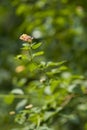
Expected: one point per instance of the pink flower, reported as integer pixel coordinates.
(26, 38)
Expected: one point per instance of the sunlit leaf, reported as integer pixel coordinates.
(17, 91)
(38, 54)
(50, 63)
(37, 45)
(9, 98)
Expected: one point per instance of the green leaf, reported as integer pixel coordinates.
(63, 68)
(21, 104)
(38, 54)
(48, 115)
(50, 63)
(17, 91)
(53, 71)
(35, 46)
(9, 98)
(33, 67)
(18, 57)
(21, 9)
(26, 46)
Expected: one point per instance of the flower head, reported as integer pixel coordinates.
(26, 38)
(19, 69)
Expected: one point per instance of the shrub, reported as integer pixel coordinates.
(49, 95)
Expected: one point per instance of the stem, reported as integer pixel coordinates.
(30, 52)
(38, 123)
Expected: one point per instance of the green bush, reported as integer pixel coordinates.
(48, 96)
(52, 81)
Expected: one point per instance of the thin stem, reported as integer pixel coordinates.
(38, 123)
(30, 52)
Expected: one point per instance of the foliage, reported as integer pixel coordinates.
(50, 79)
(48, 94)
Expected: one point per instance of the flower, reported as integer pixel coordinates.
(26, 38)
(28, 106)
(12, 112)
(19, 68)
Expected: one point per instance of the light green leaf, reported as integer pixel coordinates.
(38, 54)
(18, 57)
(50, 63)
(53, 71)
(26, 46)
(62, 68)
(33, 67)
(9, 98)
(17, 91)
(35, 46)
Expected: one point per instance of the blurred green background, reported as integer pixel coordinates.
(61, 25)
